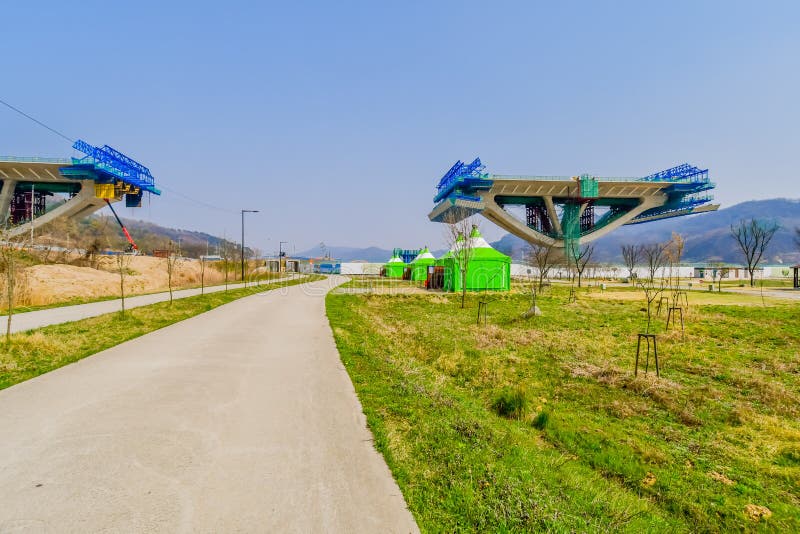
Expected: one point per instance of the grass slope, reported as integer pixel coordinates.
(596, 449)
(39, 351)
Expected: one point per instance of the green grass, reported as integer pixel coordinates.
(39, 351)
(597, 449)
(769, 283)
(374, 282)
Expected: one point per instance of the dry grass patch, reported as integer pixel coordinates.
(722, 405)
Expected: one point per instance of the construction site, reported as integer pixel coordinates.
(244, 287)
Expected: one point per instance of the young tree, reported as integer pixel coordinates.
(173, 260)
(458, 229)
(202, 274)
(631, 256)
(581, 258)
(544, 257)
(674, 253)
(753, 238)
(225, 254)
(653, 257)
(13, 276)
(122, 264)
(256, 253)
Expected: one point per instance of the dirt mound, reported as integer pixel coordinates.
(48, 284)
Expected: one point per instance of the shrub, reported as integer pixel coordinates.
(511, 403)
(540, 421)
(789, 456)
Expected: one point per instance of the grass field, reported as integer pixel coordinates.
(583, 445)
(769, 283)
(39, 351)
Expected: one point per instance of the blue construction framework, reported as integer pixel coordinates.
(407, 255)
(107, 165)
(688, 183)
(687, 189)
(462, 181)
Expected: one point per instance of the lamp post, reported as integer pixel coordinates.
(280, 252)
(243, 212)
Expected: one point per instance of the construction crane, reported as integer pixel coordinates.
(124, 230)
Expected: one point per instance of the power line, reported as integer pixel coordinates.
(198, 202)
(40, 123)
(174, 192)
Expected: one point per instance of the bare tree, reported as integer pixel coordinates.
(256, 254)
(581, 258)
(654, 257)
(674, 253)
(631, 256)
(459, 227)
(173, 260)
(202, 274)
(13, 276)
(122, 262)
(545, 257)
(753, 238)
(225, 254)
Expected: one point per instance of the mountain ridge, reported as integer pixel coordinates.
(707, 236)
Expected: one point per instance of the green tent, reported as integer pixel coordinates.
(394, 268)
(487, 268)
(448, 256)
(419, 267)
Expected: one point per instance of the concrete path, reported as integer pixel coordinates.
(778, 293)
(238, 420)
(65, 314)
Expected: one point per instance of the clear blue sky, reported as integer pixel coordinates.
(336, 119)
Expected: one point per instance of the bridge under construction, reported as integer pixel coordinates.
(563, 210)
(102, 176)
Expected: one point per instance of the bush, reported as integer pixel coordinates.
(511, 403)
(789, 456)
(540, 421)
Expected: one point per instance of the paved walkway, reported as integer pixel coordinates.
(781, 293)
(778, 293)
(65, 314)
(241, 419)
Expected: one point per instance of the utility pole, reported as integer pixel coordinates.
(243, 212)
(280, 252)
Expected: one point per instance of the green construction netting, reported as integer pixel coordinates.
(589, 187)
(571, 226)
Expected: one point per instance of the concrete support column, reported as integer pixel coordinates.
(6, 194)
(82, 204)
(551, 212)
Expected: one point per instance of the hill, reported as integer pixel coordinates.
(369, 254)
(103, 232)
(707, 235)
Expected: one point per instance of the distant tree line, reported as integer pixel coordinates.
(98, 233)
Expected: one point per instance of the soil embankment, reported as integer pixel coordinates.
(49, 284)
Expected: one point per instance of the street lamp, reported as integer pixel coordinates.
(280, 252)
(243, 212)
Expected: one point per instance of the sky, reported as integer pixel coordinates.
(336, 119)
